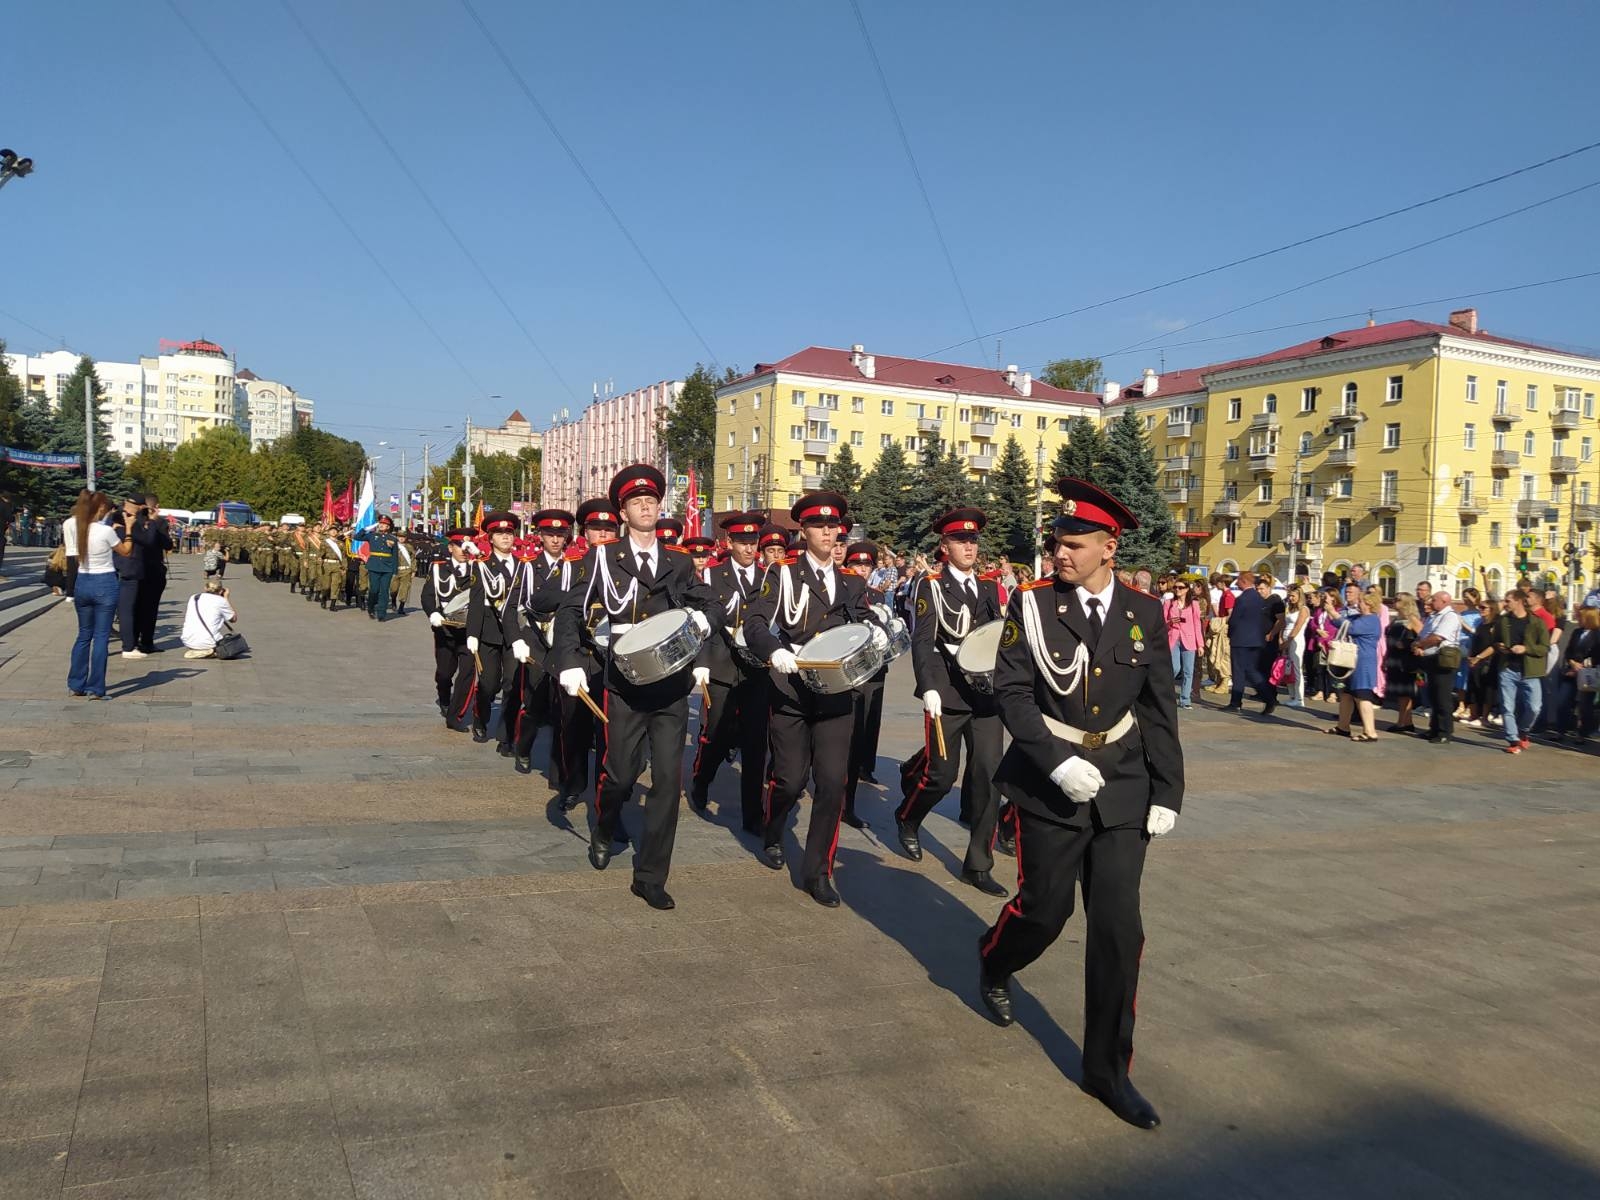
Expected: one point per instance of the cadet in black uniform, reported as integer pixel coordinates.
(669, 530)
(635, 578)
(446, 582)
(577, 732)
(809, 733)
(949, 604)
(1084, 685)
(538, 594)
(860, 559)
(773, 544)
(738, 717)
(493, 631)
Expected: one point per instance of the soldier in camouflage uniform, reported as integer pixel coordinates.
(406, 556)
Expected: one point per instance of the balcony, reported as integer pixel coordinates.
(1227, 509)
(1265, 420)
(817, 448)
(1563, 464)
(1264, 464)
(1310, 506)
(1347, 417)
(929, 424)
(1585, 515)
(1564, 418)
(1470, 508)
(815, 412)
(1532, 509)
(1505, 414)
(983, 429)
(1179, 429)
(1176, 495)
(810, 483)
(1192, 529)
(1386, 506)
(1179, 462)
(1504, 460)
(980, 462)
(1340, 457)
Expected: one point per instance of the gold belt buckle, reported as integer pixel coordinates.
(1094, 741)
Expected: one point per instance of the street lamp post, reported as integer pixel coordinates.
(13, 167)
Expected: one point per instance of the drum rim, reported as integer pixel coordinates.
(998, 627)
(681, 614)
(851, 626)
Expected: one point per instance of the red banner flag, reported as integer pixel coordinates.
(343, 506)
(327, 500)
(691, 511)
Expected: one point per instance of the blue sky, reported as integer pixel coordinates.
(1072, 152)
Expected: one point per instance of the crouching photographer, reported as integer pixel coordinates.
(207, 625)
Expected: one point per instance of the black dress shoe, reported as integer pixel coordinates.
(524, 765)
(853, 821)
(1268, 709)
(698, 799)
(996, 996)
(654, 895)
(479, 735)
(1439, 739)
(1005, 842)
(984, 882)
(909, 841)
(599, 851)
(869, 777)
(505, 750)
(1127, 1103)
(773, 857)
(569, 801)
(750, 826)
(823, 892)
(1232, 708)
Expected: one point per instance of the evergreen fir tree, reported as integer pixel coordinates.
(882, 496)
(67, 437)
(1083, 455)
(1131, 475)
(940, 485)
(11, 429)
(843, 475)
(1010, 507)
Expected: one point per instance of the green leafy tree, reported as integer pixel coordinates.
(843, 475)
(281, 483)
(327, 457)
(12, 479)
(689, 428)
(148, 469)
(941, 483)
(881, 499)
(1011, 507)
(497, 479)
(1075, 374)
(213, 467)
(1130, 474)
(67, 437)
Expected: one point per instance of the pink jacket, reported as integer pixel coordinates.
(1183, 625)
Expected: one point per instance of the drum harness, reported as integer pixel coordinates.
(449, 587)
(496, 587)
(545, 628)
(1063, 679)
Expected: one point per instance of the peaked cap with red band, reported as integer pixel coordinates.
(669, 529)
(742, 527)
(861, 552)
(820, 506)
(501, 522)
(698, 545)
(1086, 509)
(597, 512)
(457, 536)
(774, 535)
(553, 520)
(641, 479)
(960, 520)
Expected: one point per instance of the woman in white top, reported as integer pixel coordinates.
(95, 593)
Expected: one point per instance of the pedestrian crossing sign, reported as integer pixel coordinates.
(447, 493)
(1527, 542)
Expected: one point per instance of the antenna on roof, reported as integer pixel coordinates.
(999, 355)
(1163, 362)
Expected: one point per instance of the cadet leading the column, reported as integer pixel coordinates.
(1084, 685)
(493, 631)
(446, 592)
(537, 596)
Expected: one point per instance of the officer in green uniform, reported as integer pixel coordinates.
(383, 554)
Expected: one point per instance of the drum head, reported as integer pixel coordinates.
(980, 648)
(651, 631)
(835, 643)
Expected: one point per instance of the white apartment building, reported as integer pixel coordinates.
(514, 436)
(266, 409)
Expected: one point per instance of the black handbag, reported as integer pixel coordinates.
(231, 644)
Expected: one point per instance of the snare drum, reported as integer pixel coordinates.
(851, 655)
(899, 639)
(657, 647)
(977, 654)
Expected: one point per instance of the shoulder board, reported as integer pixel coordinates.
(989, 575)
(934, 575)
(790, 560)
(575, 553)
(1038, 583)
(674, 549)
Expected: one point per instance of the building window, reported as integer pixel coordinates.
(1016, 420)
(756, 403)
(1270, 404)
(797, 432)
(857, 438)
(1500, 394)
(1345, 486)
(1529, 488)
(755, 434)
(1264, 490)
(829, 400)
(1464, 534)
(1494, 535)
(1585, 448)
(1061, 424)
(1397, 387)
(1230, 532)
(798, 399)
(858, 404)
(885, 440)
(1149, 422)
(1588, 404)
(1390, 488)
(730, 475)
(1040, 422)
(918, 410)
(730, 439)
(1341, 531)
(1527, 443)
(1263, 532)
(911, 443)
(1532, 401)
(1497, 488)
(886, 407)
(1472, 389)
(1305, 444)
(796, 467)
(733, 406)
(1232, 454)
(1234, 406)
(1468, 482)
(1386, 530)
(1391, 436)
(1308, 398)
(1469, 437)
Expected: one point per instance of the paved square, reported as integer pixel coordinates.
(268, 930)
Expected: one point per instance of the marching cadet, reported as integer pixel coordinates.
(669, 530)
(949, 604)
(544, 579)
(699, 549)
(808, 732)
(636, 578)
(355, 593)
(311, 562)
(446, 585)
(1095, 770)
(577, 732)
(738, 711)
(860, 559)
(774, 544)
(330, 566)
(405, 572)
(492, 631)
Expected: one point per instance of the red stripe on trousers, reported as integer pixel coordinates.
(1014, 908)
(600, 767)
(927, 761)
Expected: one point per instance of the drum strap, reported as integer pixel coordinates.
(1060, 680)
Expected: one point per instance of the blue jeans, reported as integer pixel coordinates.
(1183, 672)
(1514, 687)
(95, 598)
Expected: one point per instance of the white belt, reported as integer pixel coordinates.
(1086, 739)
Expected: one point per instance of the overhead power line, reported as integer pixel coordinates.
(405, 169)
(311, 181)
(916, 173)
(549, 122)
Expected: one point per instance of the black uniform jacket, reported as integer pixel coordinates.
(766, 628)
(491, 616)
(535, 599)
(733, 599)
(1129, 669)
(934, 665)
(443, 581)
(675, 586)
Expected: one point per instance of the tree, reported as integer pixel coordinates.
(843, 475)
(1075, 374)
(1131, 476)
(1080, 457)
(1011, 507)
(148, 469)
(213, 467)
(497, 479)
(12, 399)
(689, 428)
(940, 484)
(327, 457)
(279, 482)
(882, 496)
(67, 436)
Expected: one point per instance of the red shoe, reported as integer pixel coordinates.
(1524, 743)
(1513, 747)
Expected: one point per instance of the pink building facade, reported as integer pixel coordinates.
(581, 456)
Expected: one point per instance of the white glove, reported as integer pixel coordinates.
(880, 639)
(520, 651)
(472, 645)
(1079, 778)
(932, 703)
(702, 676)
(1161, 820)
(573, 680)
(436, 619)
(700, 621)
(784, 662)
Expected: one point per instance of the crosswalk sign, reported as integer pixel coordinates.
(1527, 542)
(447, 493)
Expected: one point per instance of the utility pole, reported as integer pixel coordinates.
(466, 472)
(427, 492)
(744, 483)
(1294, 517)
(1038, 511)
(88, 432)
